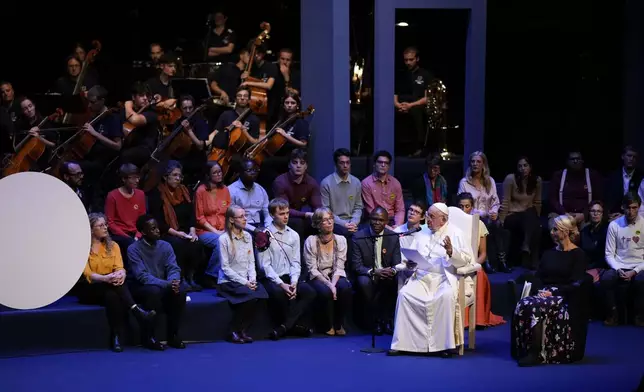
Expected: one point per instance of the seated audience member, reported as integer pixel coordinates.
(72, 174)
(123, 206)
(415, 214)
(171, 205)
(212, 199)
(521, 209)
(325, 255)
(380, 189)
(432, 186)
(559, 270)
(374, 262)
(571, 189)
(252, 197)
(342, 193)
(625, 256)
(478, 183)
(238, 276)
(592, 239)
(484, 315)
(155, 281)
(427, 307)
(627, 179)
(290, 298)
(105, 275)
(300, 190)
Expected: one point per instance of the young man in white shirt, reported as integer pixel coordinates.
(289, 299)
(625, 256)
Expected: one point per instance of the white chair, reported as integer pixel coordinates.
(469, 225)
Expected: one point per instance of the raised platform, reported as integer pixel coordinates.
(67, 325)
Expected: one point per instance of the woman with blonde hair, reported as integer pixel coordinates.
(104, 282)
(325, 255)
(481, 186)
(541, 325)
(238, 277)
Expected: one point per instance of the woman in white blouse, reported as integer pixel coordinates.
(482, 187)
(325, 255)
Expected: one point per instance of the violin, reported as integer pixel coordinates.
(29, 150)
(236, 143)
(178, 143)
(89, 58)
(78, 146)
(273, 142)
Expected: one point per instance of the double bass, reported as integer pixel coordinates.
(70, 118)
(258, 96)
(29, 150)
(273, 142)
(178, 143)
(236, 143)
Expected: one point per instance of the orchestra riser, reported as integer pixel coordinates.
(67, 325)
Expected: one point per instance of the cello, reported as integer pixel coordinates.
(258, 96)
(236, 143)
(178, 143)
(89, 58)
(273, 142)
(77, 146)
(29, 150)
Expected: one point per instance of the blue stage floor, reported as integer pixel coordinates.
(614, 362)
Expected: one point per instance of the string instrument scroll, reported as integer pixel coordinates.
(82, 118)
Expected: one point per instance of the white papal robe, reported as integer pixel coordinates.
(427, 311)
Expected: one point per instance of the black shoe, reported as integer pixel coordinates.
(378, 329)
(446, 354)
(301, 331)
(176, 342)
(235, 338)
(153, 344)
(115, 344)
(195, 286)
(277, 333)
(246, 338)
(503, 267)
(393, 353)
(488, 268)
(143, 316)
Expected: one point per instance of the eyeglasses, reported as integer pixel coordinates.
(415, 211)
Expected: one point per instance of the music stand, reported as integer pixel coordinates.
(198, 88)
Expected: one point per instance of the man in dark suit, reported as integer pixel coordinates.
(373, 261)
(627, 179)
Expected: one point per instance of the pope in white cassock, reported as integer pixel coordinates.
(427, 311)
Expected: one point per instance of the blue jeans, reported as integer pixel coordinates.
(211, 240)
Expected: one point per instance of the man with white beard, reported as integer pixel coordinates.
(427, 311)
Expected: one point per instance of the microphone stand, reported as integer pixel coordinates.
(373, 349)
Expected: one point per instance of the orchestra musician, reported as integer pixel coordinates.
(65, 84)
(29, 122)
(9, 101)
(219, 138)
(267, 73)
(227, 78)
(289, 79)
(197, 129)
(298, 133)
(160, 86)
(221, 42)
(144, 137)
(81, 54)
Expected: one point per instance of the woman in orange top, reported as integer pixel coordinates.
(212, 199)
(484, 315)
(105, 275)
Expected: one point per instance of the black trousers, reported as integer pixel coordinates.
(189, 254)
(334, 311)
(614, 288)
(243, 315)
(498, 241)
(410, 129)
(162, 300)
(380, 296)
(526, 227)
(117, 301)
(290, 312)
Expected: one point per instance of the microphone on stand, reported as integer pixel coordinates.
(410, 232)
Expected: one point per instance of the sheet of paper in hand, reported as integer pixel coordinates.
(413, 256)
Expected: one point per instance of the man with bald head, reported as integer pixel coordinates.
(373, 261)
(427, 312)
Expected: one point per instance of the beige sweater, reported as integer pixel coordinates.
(513, 201)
